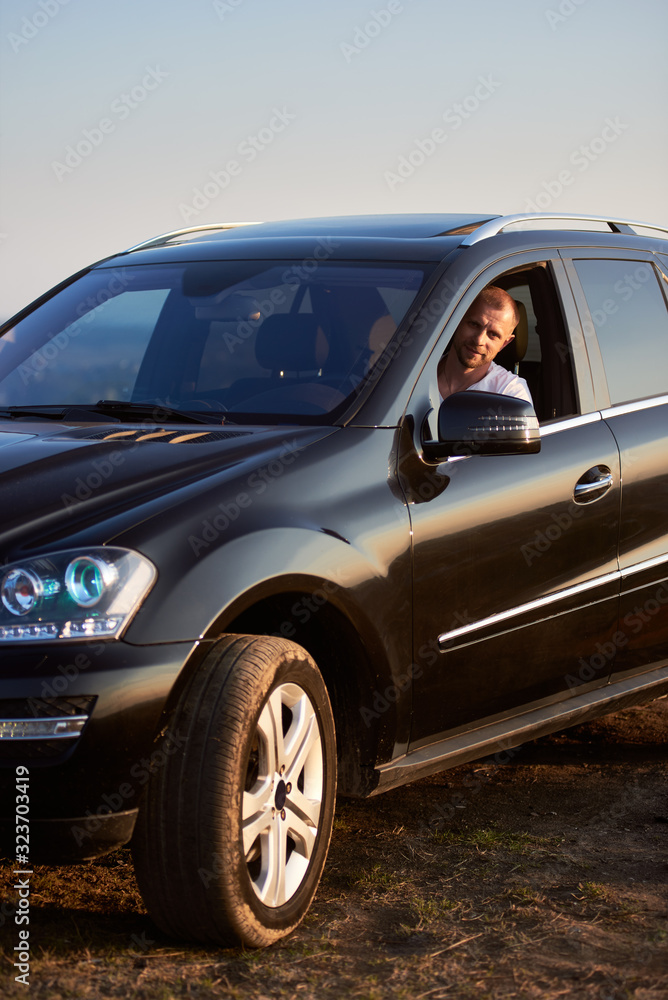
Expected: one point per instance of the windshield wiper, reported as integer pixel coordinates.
(112, 409)
(47, 412)
(158, 412)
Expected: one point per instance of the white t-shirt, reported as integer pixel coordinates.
(498, 379)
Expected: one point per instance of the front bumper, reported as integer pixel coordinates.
(79, 730)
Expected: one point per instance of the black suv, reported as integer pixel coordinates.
(246, 546)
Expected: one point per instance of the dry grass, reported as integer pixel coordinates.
(548, 881)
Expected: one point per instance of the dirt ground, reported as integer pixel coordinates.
(541, 877)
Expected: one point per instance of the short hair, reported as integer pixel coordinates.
(498, 298)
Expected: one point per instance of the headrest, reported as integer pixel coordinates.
(380, 335)
(294, 343)
(521, 341)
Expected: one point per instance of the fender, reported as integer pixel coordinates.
(222, 585)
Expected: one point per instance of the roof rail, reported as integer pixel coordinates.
(496, 226)
(158, 241)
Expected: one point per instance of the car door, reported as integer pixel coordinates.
(622, 299)
(514, 556)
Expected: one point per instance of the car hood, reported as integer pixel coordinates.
(56, 481)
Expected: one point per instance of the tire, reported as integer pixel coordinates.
(234, 829)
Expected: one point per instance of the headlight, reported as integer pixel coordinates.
(73, 595)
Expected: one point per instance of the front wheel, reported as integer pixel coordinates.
(234, 830)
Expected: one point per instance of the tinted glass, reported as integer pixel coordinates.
(243, 336)
(628, 309)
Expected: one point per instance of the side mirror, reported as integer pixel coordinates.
(484, 423)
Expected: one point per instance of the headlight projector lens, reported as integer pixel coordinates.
(87, 578)
(21, 591)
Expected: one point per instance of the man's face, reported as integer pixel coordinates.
(483, 332)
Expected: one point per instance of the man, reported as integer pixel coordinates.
(484, 331)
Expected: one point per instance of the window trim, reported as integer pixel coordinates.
(633, 406)
(568, 423)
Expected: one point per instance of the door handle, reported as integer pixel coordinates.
(594, 484)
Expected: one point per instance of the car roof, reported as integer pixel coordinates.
(416, 237)
(426, 237)
(409, 227)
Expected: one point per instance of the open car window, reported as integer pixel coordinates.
(540, 352)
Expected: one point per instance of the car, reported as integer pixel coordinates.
(251, 557)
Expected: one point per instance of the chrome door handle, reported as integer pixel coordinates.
(587, 489)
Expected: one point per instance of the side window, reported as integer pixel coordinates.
(628, 310)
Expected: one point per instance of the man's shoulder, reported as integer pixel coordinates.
(499, 375)
(499, 379)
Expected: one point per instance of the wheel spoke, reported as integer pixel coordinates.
(270, 885)
(302, 812)
(270, 731)
(302, 736)
(256, 812)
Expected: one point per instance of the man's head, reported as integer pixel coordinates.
(486, 328)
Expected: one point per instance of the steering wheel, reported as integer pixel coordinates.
(316, 397)
(205, 404)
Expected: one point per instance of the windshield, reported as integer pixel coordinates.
(246, 337)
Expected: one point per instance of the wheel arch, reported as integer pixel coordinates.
(351, 658)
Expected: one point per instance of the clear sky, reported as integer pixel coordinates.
(124, 120)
